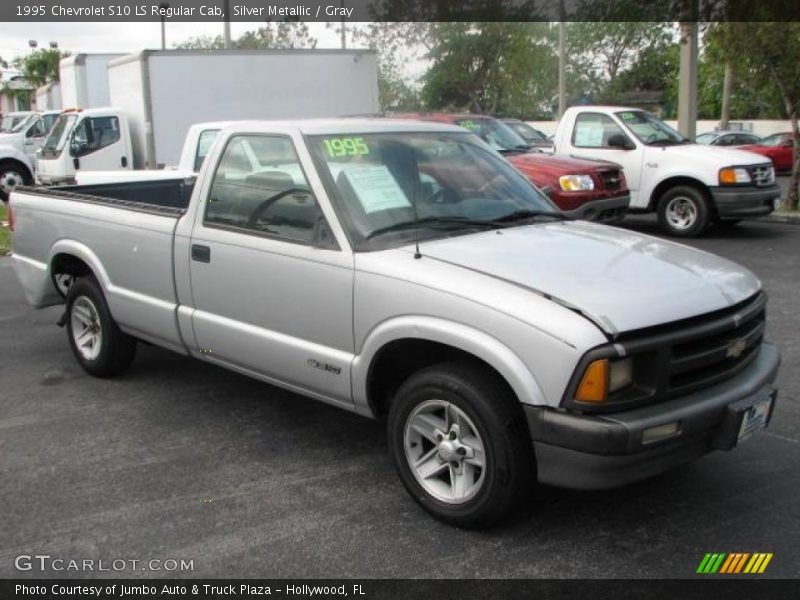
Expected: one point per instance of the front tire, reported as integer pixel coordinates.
(683, 211)
(460, 444)
(99, 346)
(11, 176)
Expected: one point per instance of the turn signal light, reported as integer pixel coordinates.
(594, 383)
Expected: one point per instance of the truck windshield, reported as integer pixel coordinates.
(391, 187)
(650, 130)
(59, 135)
(495, 133)
(21, 124)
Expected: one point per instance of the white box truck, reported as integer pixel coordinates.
(84, 80)
(48, 96)
(157, 95)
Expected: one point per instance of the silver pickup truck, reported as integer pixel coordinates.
(405, 271)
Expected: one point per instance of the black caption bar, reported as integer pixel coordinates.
(385, 589)
(399, 10)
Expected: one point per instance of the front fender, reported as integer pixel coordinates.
(475, 342)
(8, 152)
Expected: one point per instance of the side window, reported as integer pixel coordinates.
(36, 130)
(593, 130)
(259, 186)
(727, 140)
(204, 143)
(93, 134)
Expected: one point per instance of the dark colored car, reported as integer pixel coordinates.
(727, 138)
(586, 189)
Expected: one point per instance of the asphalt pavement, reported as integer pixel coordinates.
(185, 461)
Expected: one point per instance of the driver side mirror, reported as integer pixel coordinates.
(620, 142)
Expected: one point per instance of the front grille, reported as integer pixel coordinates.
(763, 174)
(612, 179)
(681, 357)
(710, 359)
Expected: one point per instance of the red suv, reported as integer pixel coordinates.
(586, 189)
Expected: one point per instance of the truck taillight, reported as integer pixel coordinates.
(10, 215)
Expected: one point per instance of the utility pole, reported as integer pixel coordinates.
(343, 30)
(562, 61)
(727, 87)
(687, 80)
(227, 25)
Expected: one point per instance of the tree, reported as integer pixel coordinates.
(396, 44)
(41, 66)
(492, 68)
(600, 51)
(282, 35)
(769, 51)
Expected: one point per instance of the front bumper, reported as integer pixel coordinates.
(604, 451)
(747, 201)
(602, 210)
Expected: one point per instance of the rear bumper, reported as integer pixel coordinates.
(599, 452)
(603, 210)
(742, 202)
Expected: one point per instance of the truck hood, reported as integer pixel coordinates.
(557, 165)
(715, 156)
(15, 140)
(620, 280)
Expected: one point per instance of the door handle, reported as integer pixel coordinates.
(201, 253)
(124, 161)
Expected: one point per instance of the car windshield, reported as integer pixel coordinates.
(528, 133)
(706, 138)
(775, 139)
(21, 124)
(57, 139)
(650, 130)
(495, 133)
(391, 187)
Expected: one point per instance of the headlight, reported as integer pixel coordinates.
(576, 183)
(602, 377)
(732, 175)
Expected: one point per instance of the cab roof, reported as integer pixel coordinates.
(348, 126)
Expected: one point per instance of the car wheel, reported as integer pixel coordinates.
(97, 342)
(11, 176)
(683, 211)
(460, 444)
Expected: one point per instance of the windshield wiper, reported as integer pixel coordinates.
(432, 222)
(529, 215)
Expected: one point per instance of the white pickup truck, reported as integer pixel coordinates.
(688, 185)
(18, 148)
(404, 270)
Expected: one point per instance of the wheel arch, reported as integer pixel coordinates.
(74, 258)
(675, 181)
(399, 347)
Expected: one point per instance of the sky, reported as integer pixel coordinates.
(125, 37)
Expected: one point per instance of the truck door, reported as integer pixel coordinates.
(99, 144)
(34, 138)
(596, 135)
(272, 294)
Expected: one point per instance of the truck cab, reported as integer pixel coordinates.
(96, 139)
(18, 147)
(688, 185)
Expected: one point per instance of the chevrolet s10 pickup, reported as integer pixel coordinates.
(405, 271)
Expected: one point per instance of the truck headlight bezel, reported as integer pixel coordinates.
(734, 176)
(576, 183)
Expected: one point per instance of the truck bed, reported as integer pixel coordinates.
(162, 196)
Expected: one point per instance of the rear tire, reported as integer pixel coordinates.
(99, 346)
(460, 444)
(683, 211)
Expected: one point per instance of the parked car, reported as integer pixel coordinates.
(404, 270)
(584, 189)
(18, 149)
(533, 137)
(778, 148)
(727, 138)
(688, 185)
